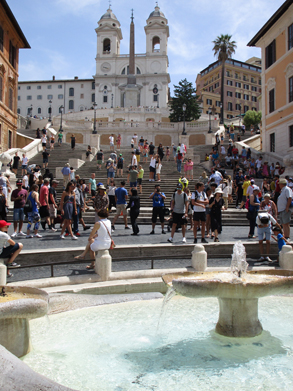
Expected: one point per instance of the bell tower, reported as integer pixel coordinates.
(157, 33)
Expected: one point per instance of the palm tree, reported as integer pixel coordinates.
(223, 48)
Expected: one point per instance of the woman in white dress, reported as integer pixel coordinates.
(158, 169)
(99, 238)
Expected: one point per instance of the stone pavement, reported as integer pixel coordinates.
(121, 237)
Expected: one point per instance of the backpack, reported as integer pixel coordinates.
(28, 207)
(246, 206)
(86, 190)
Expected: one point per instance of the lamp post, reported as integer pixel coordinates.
(112, 98)
(31, 110)
(61, 108)
(221, 114)
(158, 101)
(183, 109)
(95, 108)
(210, 122)
(50, 111)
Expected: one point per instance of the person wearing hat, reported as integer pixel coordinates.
(10, 251)
(179, 207)
(268, 205)
(216, 204)
(66, 174)
(18, 196)
(253, 208)
(101, 200)
(283, 205)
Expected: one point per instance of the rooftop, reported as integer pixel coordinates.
(230, 61)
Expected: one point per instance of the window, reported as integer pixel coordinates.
(218, 103)
(259, 82)
(156, 45)
(291, 89)
(71, 105)
(229, 93)
(81, 86)
(18, 87)
(60, 96)
(29, 97)
(39, 87)
(291, 135)
(93, 85)
(246, 86)
(228, 74)
(1, 38)
(252, 80)
(290, 37)
(238, 106)
(245, 97)
(39, 110)
(237, 84)
(12, 54)
(10, 140)
(106, 46)
(71, 91)
(236, 76)
(60, 86)
(253, 109)
(217, 85)
(93, 97)
(230, 106)
(211, 89)
(28, 87)
(253, 88)
(229, 82)
(246, 108)
(1, 88)
(155, 98)
(272, 143)
(49, 96)
(18, 110)
(18, 98)
(271, 100)
(39, 97)
(254, 99)
(238, 95)
(105, 98)
(245, 78)
(209, 102)
(49, 87)
(10, 103)
(81, 96)
(270, 54)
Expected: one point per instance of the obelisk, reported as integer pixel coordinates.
(132, 90)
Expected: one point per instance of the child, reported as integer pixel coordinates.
(11, 251)
(278, 232)
(72, 173)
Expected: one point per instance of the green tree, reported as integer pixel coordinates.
(223, 48)
(251, 118)
(184, 93)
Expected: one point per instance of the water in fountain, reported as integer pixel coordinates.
(169, 294)
(238, 263)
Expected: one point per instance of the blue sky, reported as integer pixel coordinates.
(62, 34)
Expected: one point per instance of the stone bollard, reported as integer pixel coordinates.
(199, 258)
(103, 265)
(3, 272)
(286, 258)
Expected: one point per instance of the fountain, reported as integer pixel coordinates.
(237, 292)
(17, 306)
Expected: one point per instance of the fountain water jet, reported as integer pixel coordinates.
(237, 293)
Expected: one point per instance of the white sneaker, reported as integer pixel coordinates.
(62, 237)
(29, 236)
(14, 235)
(37, 236)
(183, 240)
(53, 229)
(170, 240)
(74, 237)
(21, 234)
(261, 259)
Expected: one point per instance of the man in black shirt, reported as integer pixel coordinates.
(100, 159)
(45, 158)
(151, 148)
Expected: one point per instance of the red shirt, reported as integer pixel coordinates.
(43, 192)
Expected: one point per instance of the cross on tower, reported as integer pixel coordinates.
(132, 17)
(110, 4)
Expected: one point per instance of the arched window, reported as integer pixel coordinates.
(93, 85)
(71, 105)
(156, 44)
(71, 91)
(106, 46)
(39, 110)
(138, 72)
(93, 97)
(18, 111)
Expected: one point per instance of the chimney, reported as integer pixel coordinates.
(53, 78)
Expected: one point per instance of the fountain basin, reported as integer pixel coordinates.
(17, 306)
(238, 297)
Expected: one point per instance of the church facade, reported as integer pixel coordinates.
(107, 87)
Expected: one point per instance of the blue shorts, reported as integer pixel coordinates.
(24, 166)
(133, 184)
(18, 214)
(8, 251)
(110, 174)
(262, 231)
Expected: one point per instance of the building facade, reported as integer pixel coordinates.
(106, 88)
(242, 87)
(275, 39)
(11, 40)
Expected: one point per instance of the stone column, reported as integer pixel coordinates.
(3, 272)
(199, 258)
(103, 265)
(286, 258)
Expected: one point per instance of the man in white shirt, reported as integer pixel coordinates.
(217, 176)
(133, 159)
(111, 139)
(10, 251)
(152, 169)
(283, 204)
(199, 200)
